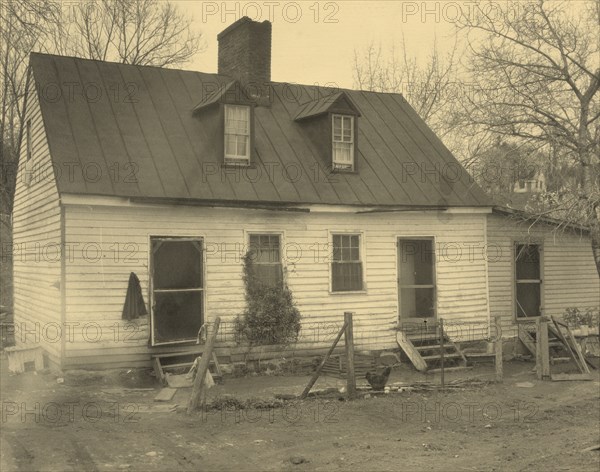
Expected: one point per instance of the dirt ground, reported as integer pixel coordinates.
(106, 426)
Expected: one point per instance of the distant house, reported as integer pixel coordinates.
(172, 175)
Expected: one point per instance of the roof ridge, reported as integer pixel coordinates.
(273, 82)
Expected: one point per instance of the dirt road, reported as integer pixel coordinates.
(500, 427)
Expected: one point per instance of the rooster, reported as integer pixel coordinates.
(378, 381)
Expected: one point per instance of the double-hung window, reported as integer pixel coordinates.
(343, 142)
(265, 254)
(346, 264)
(528, 280)
(237, 134)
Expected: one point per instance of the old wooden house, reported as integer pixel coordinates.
(172, 174)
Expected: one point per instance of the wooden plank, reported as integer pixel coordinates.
(160, 375)
(582, 359)
(558, 333)
(198, 386)
(315, 376)
(526, 339)
(165, 395)
(409, 349)
(349, 341)
(569, 377)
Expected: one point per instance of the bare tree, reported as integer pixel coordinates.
(536, 66)
(144, 32)
(429, 87)
(24, 26)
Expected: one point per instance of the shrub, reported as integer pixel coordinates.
(271, 316)
(576, 317)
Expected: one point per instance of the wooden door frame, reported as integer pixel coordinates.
(432, 238)
(200, 239)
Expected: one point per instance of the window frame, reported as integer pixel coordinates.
(400, 238)
(337, 166)
(150, 264)
(514, 281)
(361, 255)
(236, 160)
(280, 234)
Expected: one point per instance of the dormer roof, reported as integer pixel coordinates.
(338, 102)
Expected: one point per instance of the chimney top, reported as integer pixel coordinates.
(245, 55)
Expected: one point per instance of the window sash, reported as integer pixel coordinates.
(266, 258)
(346, 264)
(237, 132)
(343, 141)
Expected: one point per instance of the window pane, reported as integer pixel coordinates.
(269, 274)
(242, 142)
(346, 247)
(417, 302)
(266, 258)
(528, 262)
(177, 264)
(528, 299)
(346, 276)
(230, 145)
(342, 153)
(337, 128)
(237, 120)
(177, 315)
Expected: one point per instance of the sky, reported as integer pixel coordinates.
(314, 42)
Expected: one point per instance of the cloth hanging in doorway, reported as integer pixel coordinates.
(134, 306)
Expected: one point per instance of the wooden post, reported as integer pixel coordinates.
(442, 349)
(538, 350)
(315, 376)
(545, 348)
(198, 387)
(349, 338)
(542, 352)
(498, 349)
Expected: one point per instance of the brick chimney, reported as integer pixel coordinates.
(245, 55)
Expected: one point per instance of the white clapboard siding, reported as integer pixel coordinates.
(96, 279)
(37, 243)
(569, 276)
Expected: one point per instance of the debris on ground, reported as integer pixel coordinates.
(524, 384)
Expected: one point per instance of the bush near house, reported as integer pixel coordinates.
(271, 316)
(575, 317)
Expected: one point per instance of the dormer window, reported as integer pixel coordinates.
(237, 134)
(343, 142)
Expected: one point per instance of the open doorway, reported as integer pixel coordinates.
(177, 289)
(416, 283)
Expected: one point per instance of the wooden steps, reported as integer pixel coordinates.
(182, 359)
(555, 337)
(423, 346)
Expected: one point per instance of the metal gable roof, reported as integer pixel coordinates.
(131, 131)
